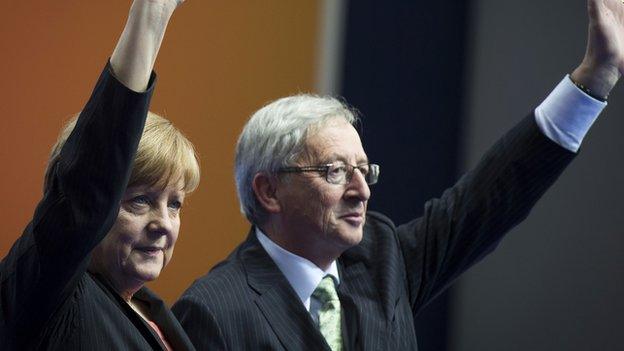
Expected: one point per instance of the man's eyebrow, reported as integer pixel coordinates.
(337, 157)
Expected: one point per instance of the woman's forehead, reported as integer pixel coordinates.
(163, 184)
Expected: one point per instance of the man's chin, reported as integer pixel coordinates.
(350, 238)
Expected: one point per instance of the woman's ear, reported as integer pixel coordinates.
(265, 188)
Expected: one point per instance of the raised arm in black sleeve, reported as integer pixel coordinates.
(78, 209)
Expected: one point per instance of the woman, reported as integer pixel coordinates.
(109, 217)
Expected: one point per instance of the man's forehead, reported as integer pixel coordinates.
(329, 157)
(335, 141)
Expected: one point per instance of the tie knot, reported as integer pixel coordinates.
(326, 290)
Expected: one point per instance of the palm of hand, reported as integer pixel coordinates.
(168, 5)
(607, 32)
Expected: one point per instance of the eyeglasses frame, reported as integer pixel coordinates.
(373, 169)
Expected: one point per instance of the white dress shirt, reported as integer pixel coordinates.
(564, 116)
(303, 275)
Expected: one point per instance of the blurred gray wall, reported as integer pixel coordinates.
(557, 281)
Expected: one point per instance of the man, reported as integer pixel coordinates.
(317, 272)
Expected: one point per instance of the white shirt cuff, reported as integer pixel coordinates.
(566, 114)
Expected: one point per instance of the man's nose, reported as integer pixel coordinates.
(358, 187)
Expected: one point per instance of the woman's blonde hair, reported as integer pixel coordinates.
(164, 155)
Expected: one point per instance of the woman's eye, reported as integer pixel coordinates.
(140, 200)
(176, 205)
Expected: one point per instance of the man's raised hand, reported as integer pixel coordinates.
(603, 63)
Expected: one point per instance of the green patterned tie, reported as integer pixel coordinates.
(329, 314)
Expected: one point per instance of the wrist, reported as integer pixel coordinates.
(596, 80)
(155, 14)
(133, 59)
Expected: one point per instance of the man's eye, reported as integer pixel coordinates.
(364, 169)
(338, 169)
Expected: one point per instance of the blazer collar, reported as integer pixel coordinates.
(166, 321)
(277, 301)
(368, 301)
(303, 275)
(144, 329)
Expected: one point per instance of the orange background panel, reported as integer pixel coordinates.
(220, 61)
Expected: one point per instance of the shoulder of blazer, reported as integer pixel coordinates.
(218, 279)
(379, 233)
(378, 221)
(228, 275)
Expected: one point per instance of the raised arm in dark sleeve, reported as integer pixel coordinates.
(85, 186)
(469, 219)
(77, 210)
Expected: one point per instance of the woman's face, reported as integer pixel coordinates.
(140, 243)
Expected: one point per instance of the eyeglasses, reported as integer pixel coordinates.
(339, 172)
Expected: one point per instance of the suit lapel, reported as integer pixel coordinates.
(350, 329)
(365, 317)
(144, 329)
(277, 300)
(166, 321)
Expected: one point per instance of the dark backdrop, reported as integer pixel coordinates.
(403, 69)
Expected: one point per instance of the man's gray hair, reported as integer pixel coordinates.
(274, 137)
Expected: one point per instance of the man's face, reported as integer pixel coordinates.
(319, 216)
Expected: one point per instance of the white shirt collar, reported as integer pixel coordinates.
(303, 275)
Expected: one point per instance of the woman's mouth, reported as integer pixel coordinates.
(151, 251)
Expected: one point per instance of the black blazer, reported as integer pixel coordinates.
(246, 303)
(48, 300)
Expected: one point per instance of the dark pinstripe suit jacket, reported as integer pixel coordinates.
(48, 300)
(245, 303)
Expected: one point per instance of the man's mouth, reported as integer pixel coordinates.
(353, 218)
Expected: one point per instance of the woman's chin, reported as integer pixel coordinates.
(145, 267)
(151, 275)
(146, 272)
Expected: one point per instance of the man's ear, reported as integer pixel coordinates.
(265, 188)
